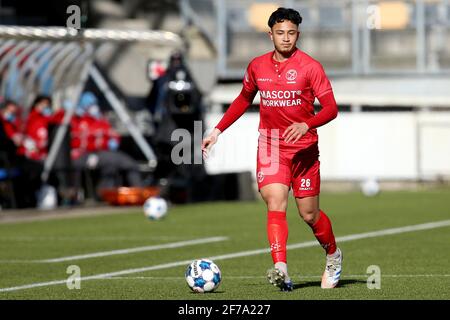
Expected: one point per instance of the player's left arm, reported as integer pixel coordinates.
(328, 112)
(323, 92)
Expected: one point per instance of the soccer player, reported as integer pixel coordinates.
(288, 80)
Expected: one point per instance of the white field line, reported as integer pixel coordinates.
(87, 238)
(13, 261)
(293, 277)
(134, 250)
(121, 251)
(425, 226)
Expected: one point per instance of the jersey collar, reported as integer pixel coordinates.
(295, 53)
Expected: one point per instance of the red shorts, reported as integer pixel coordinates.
(291, 166)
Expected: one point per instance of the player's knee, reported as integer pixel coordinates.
(275, 203)
(310, 216)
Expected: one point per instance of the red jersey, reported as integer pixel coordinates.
(287, 93)
(78, 137)
(37, 130)
(12, 130)
(12, 127)
(91, 135)
(287, 90)
(102, 132)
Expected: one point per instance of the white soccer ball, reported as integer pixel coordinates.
(47, 198)
(155, 208)
(370, 187)
(203, 275)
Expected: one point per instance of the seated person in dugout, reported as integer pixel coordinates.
(18, 148)
(95, 145)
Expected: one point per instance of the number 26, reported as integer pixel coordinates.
(305, 183)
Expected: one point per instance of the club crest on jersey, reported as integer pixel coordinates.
(291, 75)
(260, 176)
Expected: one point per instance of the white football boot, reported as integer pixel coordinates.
(332, 272)
(277, 278)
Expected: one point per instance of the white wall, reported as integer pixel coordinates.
(384, 145)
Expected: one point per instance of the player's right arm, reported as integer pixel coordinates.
(209, 141)
(234, 112)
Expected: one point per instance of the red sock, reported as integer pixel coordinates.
(277, 232)
(324, 233)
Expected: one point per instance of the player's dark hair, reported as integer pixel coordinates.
(282, 14)
(40, 98)
(7, 102)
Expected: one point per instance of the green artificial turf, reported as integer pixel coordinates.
(413, 265)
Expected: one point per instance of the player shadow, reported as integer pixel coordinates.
(210, 293)
(342, 283)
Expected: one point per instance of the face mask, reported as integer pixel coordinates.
(113, 144)
(94, 111)
(79, 111)
(47, 111)
(67, 104)
(10, 117)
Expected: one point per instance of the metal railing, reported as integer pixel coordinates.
(57, 62)
(350, 37)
